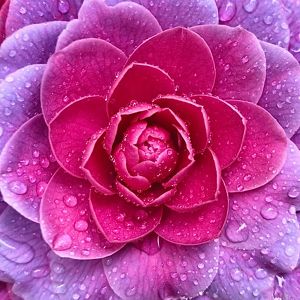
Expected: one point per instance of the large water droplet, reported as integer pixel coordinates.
(40, 272)
(236, 274)
(289, 250)
(250, 5)
(227, 11)
(268, 20)
(236, 232)
(293, 192)
(63, 6)
(261, 273)
(17, 187)
(81, 225)
(70, 200)
(62, 242)
(269, 211)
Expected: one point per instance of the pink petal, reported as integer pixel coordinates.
(33, 44)
(26, 166)
(296, 138)
(263, 153)
(4, 6)
(182, 13)
(125, 25)
(66, 222)
(227, 128)
(71, 129)
(193, 115)
(282, 88)
(120, 221)
(266, 19)
(200, 186)
(165, 270)
(22, 13)
(183, 55)
(97, 165)
(68, 78)
(240, 69)
(139, 82)
(198, 227)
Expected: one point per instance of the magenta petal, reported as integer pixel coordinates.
(240, 277)
(193, 115)
(66, 222)
(240, 69)
(68, 78)
(22, 13)
(197, 227)
(281, 92)
(26, 166)
(19, 99)
(263, 153)
(183, 13)
(266, 19)
(190, 63)
(33, 44)
(120, 221)
(200, 186)
(125, 25)
(165, 270)
(4, 6)
(139, 82)
(71, 129)
(227, 128)
(296, 138)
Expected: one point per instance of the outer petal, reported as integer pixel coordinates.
(121, 221)
(22, 13)
(166, 271)
(263, 153)
(281, 92)
(138, 82)
(71, 129)
(240, 277)
(19, 99)
(193, 228)
(227, 128)
(266, 19)
(3, 16)
(65, 220)
(189, 63)
(296, 138)
(200, 186)
(290, 285)
(31, 45)
(126, 25)
(181, 13)
(68, 78)
(26, 166)
(240, 68)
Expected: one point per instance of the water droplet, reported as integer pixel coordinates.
(293, 192)
(70, 200)
(269, 212)
(63, 6)
(227, 11)
(23, 10)
(131, 291)
(183, 277)
(268, 20)
(245, 59)
(18, 187)
(40, 272)
(236, 274)
(250, 5)
(62, 242)
(25, 37)
(289, 250)
(81, 225)
(261, 273)
(12, 53)
(40, 188)
(236, 232)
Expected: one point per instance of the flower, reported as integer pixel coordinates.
(142, 140)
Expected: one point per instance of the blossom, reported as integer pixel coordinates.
(149, 149)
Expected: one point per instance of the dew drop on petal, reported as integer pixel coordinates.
(250, 5)
(227, 11)
(62, 242)
(17, 187)
(63, 6)
(81, 225)
(236, 274)
(236, 232)
(293, 192)
(70, 200)
(269, 212)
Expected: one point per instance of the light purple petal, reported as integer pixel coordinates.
(155, 269)
(290, 285)
(30, 45)
(26, 166)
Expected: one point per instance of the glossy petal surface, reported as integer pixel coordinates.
(31, 45)
(72, 128)
(190, 63)
(65, 220)
(26, 166)
(195, 227)
(165, 270)
(68, 78)
(263, 153)
(240, 68)
(125, 25)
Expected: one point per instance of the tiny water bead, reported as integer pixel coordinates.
(63, 6)
(70, 200)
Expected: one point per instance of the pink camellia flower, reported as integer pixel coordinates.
(149, 149)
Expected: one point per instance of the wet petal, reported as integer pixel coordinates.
(65, 220)
(290, 285)
(179, 13)
(139, 82)
(71, 129)
(267, 20)
(171, 270)
(227, 128)
(68, 78)
(200, 186)
(296, 138)
(193, 228)
(121, 221)
(26, 166)
(3, 16)
(240, 69)
(190, 63)
(281, 92)
(125, 25)
(263, 153)
(19, 99)
(33, 44)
